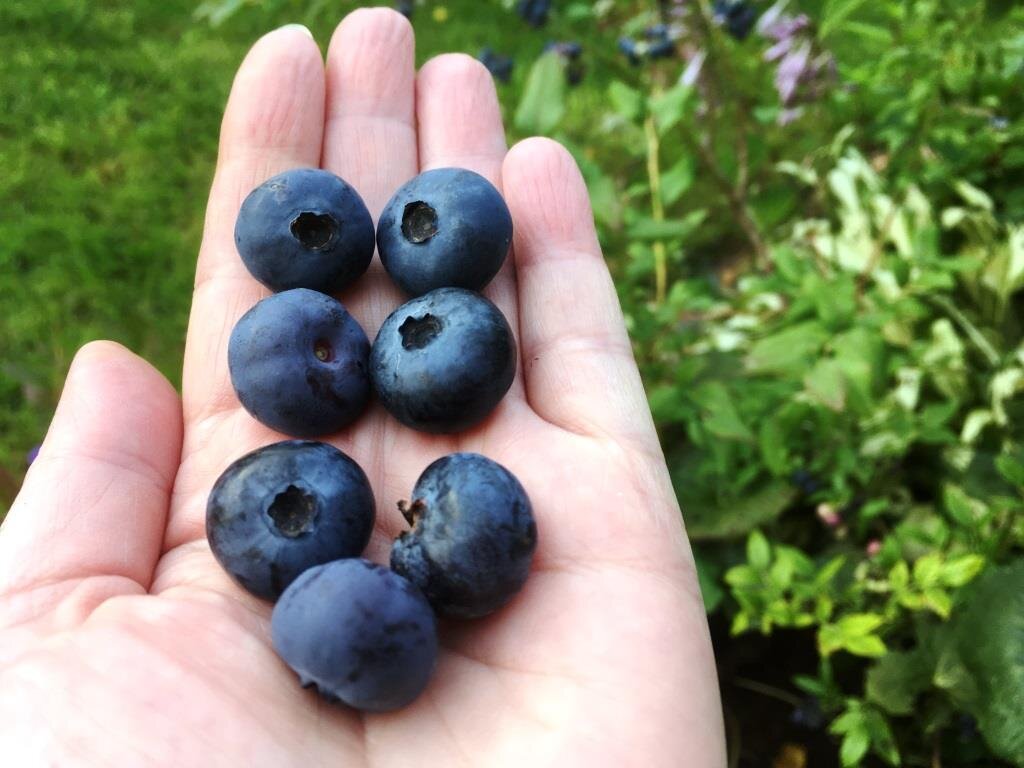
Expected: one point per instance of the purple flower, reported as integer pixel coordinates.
(792, 70)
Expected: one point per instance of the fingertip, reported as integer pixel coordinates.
(276, 101)
(383, 27)
(548, 198)
(456, 67)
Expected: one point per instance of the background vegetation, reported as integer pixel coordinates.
(814, 213)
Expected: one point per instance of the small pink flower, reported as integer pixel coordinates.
(873, 548)
(829, 515)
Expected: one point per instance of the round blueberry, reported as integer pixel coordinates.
(445, 228)
(473, 536)
(443, 361)
(284, 508)
(305, 228)
(359, 633)
(298, 363)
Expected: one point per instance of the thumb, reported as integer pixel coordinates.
(94, 502)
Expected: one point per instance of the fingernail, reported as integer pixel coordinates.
(300, 27)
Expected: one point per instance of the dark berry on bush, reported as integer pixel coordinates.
(534, 12)
(498, 65)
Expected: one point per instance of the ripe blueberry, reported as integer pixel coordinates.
(443, 361)
(498, 65)
(359, 633)
(448, 227)
(473, 536)
(298, 363)
(305, 228)
(284, 508)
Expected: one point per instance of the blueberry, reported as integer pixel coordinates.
(443, 361)
(534, 12)
(405, 7)
(661, 49)
(473, 536)
(498, 65)
(357, 632)
(305, 228)
(285, 508)
(737, 16)
(298, 363)
(448, 227)
(627, 46)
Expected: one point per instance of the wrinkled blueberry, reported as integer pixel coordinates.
(358, 633)
(298, 363)
(473, 536)
(498, 65)
(448, 227)
(284, 508)
(305, 228)
(443, 361)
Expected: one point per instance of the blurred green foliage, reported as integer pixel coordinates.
(817, 232)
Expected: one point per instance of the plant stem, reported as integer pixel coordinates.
(657, 208)
(767, 690)
(976, 336)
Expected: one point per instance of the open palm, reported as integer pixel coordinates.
(122, 642)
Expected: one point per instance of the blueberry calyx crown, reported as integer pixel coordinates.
(293, 512)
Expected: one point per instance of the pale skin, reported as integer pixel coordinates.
(122, 642)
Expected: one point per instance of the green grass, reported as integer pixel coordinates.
(108, 139)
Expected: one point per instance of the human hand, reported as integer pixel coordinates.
(123, 643)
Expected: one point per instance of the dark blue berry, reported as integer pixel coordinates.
(627, 46)
(737, 16)
(443, 361)
(498, 65)
(305, 228)
(357, 632)
(284, 508)
(534, 12)
(298, 363)
(448, 227)
(473, 536)
(405, 7)
(661, 49)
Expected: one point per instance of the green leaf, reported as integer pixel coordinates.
(958, 571)
(625, 100)
(759, 551)
(1011, 468)
(895, 680)
(825, 384)
(836, 12)
(870, 647)
(543, 101)
(677, 180)
(788, 351)
(988, 639)
(859, 624)
(708, 519)
(668, 107)
(772, 439)
(650, 229)
(855, 747)
(927, 569)
(720, 415)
